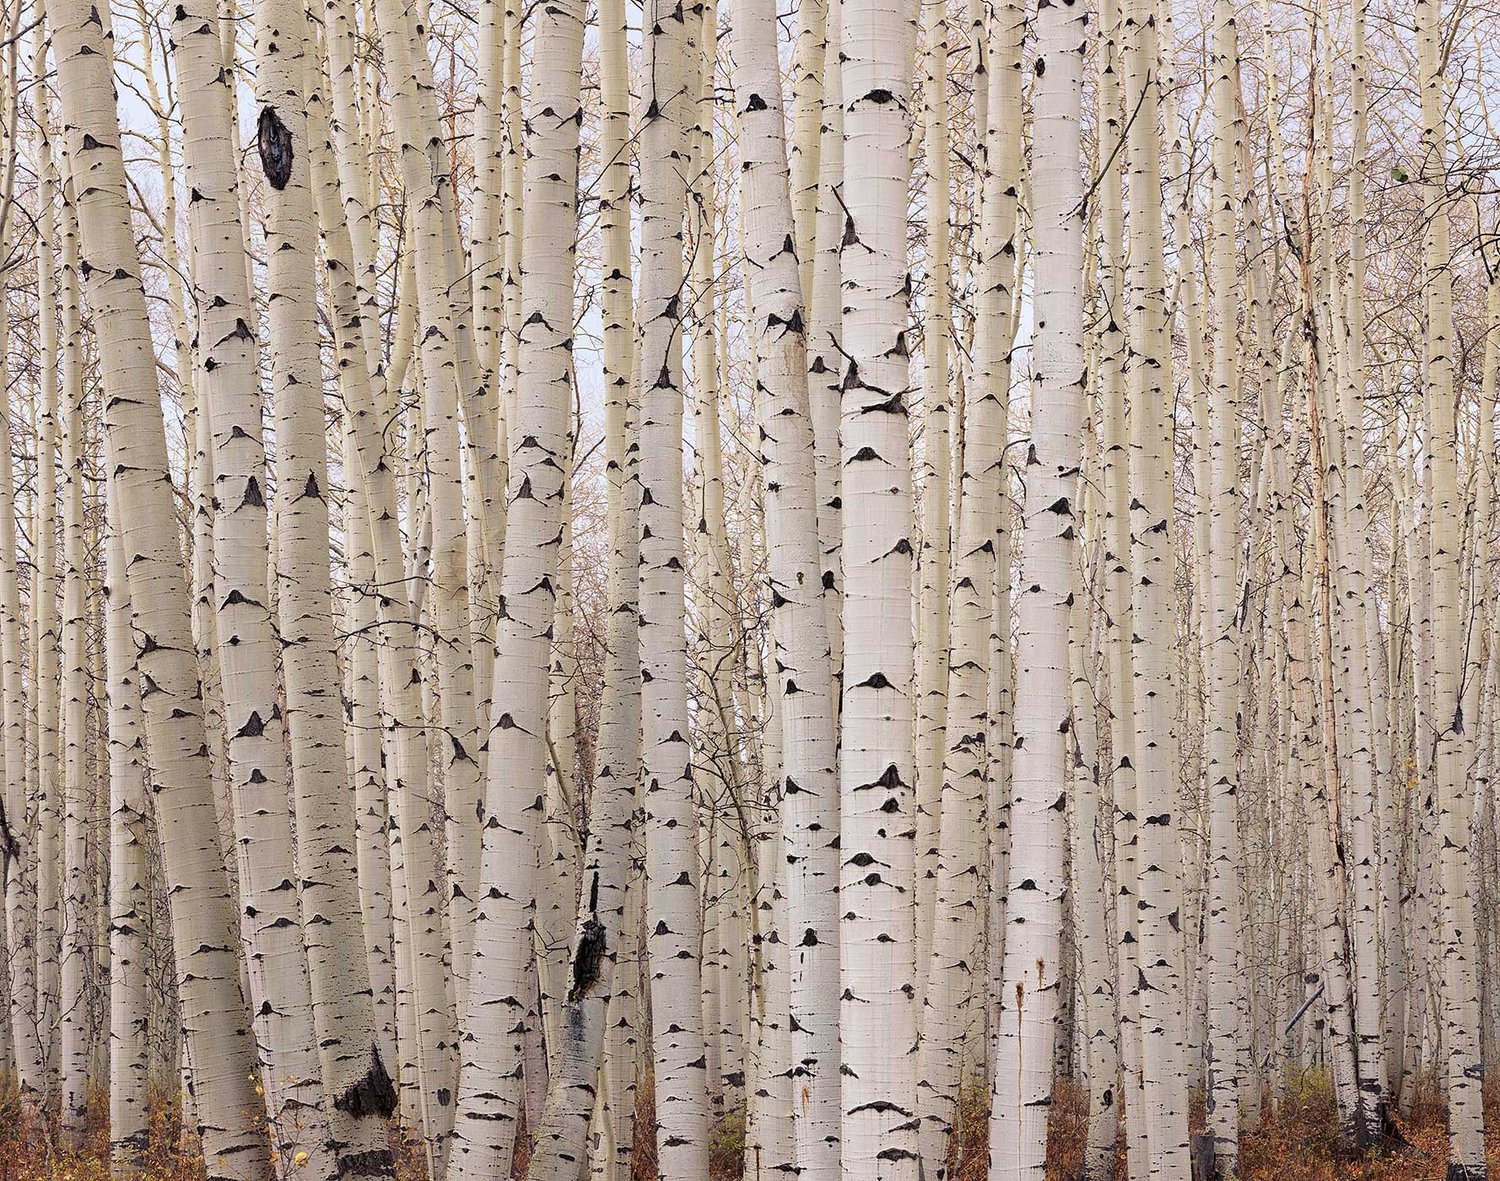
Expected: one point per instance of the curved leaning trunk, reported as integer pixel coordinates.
(216, 1030)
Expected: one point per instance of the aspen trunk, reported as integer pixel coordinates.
(355, 1080)
(1029, 998)
(493, 1048)
(1158, 943)
(218, 1038)
(1461, 1069)
(877, 765)
(129, 894)
(1221, 766)
(804, 692)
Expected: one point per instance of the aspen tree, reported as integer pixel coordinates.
(1221, 766)
(218, 1038)
(618, 750)
(877, 762)
(357, 372)
(716, 777)
(1460, 1003)
(198, 441)
(77, 934)
(810, 99)
(604, 920)
(1320, 769)
(824, 325)
(487, 246)
(1118, 626)
(540, 443)
(673, 922)
(450, 373)
(129, 893)
(1090, 859)
(1369, 778)
(957, 946)
(1159, 951)
(418, 910)
(804, 693)
(354, 1077)
(1482, 581)
(935, 555)
(45, 655)
(1000, 277)
(246, 640)
(1030, 987)
(562, 848)
(20, 894)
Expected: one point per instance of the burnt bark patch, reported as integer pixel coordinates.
(373, 1094)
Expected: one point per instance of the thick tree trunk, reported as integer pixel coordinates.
(219, 1042)
(877, 764)
(493, 1048)
(1031, 985)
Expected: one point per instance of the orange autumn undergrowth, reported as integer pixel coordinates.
(1294, 1141)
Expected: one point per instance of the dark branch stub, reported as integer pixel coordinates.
(275, 143)
(586, 959)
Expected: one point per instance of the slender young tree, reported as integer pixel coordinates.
(19, 858)
(674, 924)
(935, 556)
(74, 1017)
(129, 892)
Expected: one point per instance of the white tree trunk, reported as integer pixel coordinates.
(877, 764)
(217, 1035)
(493, 1045)
(1032, 980)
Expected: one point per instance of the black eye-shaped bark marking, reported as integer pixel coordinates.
(275, 143)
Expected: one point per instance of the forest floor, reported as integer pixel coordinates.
(1295, 1142)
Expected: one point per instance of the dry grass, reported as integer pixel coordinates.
(1295, 1141)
